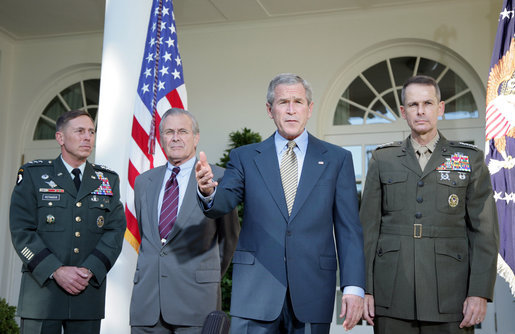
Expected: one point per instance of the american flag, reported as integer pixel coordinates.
(161, 87)
(500, 137)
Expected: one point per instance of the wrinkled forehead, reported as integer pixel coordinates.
(285, 91)
(81, 122)
(175, 122)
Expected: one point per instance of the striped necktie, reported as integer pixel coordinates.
(170, 205)
(289, 175)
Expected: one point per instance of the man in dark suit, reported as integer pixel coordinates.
(67, 226)
(181, 260)
(284, 274)
(430, 226)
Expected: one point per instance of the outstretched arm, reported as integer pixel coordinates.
(204, 175)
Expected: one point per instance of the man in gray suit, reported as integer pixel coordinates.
(183, 255)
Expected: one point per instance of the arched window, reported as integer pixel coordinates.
(375, 94)
(81, 95)
(361, 110)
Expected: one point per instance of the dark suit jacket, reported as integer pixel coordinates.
(428, 278)
(64, 228)
(180, 279)
(276, 252)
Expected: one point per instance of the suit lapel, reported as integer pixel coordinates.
(62, 178)
(268, 166)
(187, 206)
(438, 156)
(152, 190)
(314, 166)
(89, 183)
(408, 158)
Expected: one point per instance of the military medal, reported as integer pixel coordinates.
(51, 190)
(444, 175)
(457, 162)
(100, 221)
(453, 200)
(105, 187)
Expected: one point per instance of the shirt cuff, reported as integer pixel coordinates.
(207, 200)
(354, 290)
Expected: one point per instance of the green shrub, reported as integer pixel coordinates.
(7, 323)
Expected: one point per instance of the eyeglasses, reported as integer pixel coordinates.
(179, 133)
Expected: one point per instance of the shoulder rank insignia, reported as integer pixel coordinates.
(97, 166)
(457, 162)
(465, 145)
(39, 162)
(105, 187)
(390, 144)
(469, 145)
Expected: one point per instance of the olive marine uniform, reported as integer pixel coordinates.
(431, 236)
(52, 225)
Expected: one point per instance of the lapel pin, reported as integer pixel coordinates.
(93, 177)
(44, 176)
(59, 174)
(320, 162)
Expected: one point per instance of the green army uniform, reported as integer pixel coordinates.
(431, 236)
(53, 225)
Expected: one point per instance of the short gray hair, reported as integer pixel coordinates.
(178, 111)
(287, 79)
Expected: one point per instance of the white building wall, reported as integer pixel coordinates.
(227, 68)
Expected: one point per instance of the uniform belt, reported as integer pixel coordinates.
(419, 231)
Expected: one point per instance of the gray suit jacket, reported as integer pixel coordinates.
(180, 279)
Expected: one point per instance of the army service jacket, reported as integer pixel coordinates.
(53, 225)
(431, 237)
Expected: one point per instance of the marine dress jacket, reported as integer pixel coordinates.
(431, 237)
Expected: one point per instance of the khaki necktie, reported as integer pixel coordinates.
(423, 156)
(289, 175)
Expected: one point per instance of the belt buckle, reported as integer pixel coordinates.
(417, 231)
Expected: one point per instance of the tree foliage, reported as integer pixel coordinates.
(237, 139)
(7, 323)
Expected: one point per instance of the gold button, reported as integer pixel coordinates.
(78, 219)
(76, 250)
(50, 203)
(101, 205)
(77, 234)
(78, 204)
